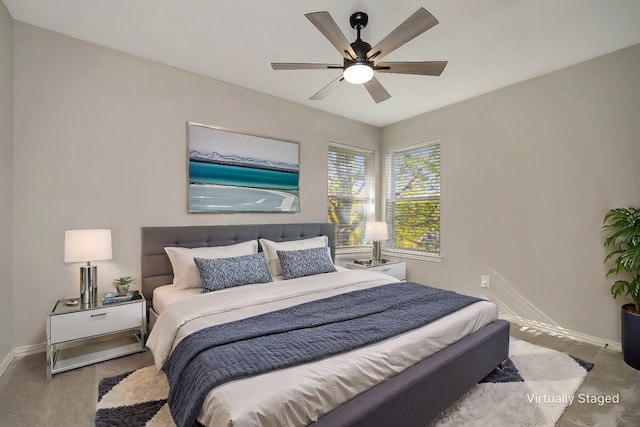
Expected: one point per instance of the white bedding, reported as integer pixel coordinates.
(300, 395)
(168, 294)
(163, 296)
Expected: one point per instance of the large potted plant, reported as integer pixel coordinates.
(624, 246)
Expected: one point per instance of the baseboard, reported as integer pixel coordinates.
(30, 349)
(563, 332)
(19, 352)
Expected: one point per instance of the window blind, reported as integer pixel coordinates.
(413, 198)
(350, 193)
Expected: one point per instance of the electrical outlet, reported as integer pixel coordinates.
(484, 281)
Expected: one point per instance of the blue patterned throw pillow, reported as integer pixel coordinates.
(305, 262)
(221, 273)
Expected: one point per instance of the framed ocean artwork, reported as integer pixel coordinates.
(236, 172)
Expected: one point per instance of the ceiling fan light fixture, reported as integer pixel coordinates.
(358, 73)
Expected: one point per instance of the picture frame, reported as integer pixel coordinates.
(232, 172)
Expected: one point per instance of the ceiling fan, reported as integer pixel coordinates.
(358, 57)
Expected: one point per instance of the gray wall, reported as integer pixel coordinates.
(100, 141)
(6, 182)
(528, 173)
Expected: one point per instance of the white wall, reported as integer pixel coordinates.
(528, 173)
(6, 182)
(100, 141)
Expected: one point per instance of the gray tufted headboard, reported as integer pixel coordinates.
(156, 268)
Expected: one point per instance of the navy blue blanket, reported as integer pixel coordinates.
(295, 335)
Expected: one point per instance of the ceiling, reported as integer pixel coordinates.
(489, 43)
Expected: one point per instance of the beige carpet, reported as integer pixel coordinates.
(534, 389)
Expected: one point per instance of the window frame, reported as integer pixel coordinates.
(388, 200)
(368, 200)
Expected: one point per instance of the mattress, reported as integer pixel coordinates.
(163, 296)
(302, 394)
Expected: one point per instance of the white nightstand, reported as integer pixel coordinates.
(78, 336)
(397, 269)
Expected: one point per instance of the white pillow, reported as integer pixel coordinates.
(185, 272)
(271, 249)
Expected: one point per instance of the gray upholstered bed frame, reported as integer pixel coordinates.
(156, 268)
(411, 398)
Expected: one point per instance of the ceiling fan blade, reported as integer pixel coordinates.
(328, 27)
(415, 25)
(423, 68)
(376, 90)
(322, 93)
(302, 66)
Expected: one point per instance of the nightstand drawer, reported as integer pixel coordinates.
(397, 270)
(100, 321)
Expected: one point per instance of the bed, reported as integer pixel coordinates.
(411, 396)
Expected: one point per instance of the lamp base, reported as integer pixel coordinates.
(88, 285)
(376, 258)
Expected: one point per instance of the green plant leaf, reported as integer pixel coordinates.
(629, 259)
(620, 287)
(612, 271)
(612, 254)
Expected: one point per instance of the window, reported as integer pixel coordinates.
(350, 193)
(413, 198)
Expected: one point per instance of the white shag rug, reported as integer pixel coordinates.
(534, 389)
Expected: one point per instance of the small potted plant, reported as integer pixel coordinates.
(121, 284)
(624, 243)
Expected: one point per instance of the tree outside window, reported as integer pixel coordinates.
(350, 195)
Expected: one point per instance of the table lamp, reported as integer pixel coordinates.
(87, 246)
(376, 232)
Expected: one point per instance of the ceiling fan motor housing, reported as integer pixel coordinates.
(360, 48)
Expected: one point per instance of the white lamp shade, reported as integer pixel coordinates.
(87, 245)
(358, 73)
(376, 231)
